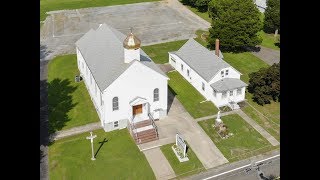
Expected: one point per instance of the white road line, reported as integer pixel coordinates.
(240, 167)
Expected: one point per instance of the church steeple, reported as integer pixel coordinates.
(131, 48)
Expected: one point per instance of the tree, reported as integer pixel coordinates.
(202, 5)
(272, 16)
(265, 84)
(235, 23)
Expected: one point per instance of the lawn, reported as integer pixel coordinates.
(189, 97)
(69, 102)
(268, 40)
(50, 5)
(117, 158)
(203, 14)
(182, 169)
(159, 52)
(245, 142)
(244, 62)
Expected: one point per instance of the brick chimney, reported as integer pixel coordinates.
(217, 47)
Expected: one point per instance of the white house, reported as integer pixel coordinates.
(206, 70)
(125, 85)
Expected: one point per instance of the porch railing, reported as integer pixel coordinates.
(153, 124)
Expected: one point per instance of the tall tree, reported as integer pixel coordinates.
(202, 5)
(265, 84)
(272, 16)
(235, 23)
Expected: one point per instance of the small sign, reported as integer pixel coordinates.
(181, 144)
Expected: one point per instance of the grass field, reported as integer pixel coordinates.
(69, 102)
(117, 158)
(268, 40)
(182, 169)
(159, 52)
(245, 142)
(189, 97)
(50, 5)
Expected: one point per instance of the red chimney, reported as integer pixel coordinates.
(217, 47)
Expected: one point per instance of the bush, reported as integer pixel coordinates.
(265, 84)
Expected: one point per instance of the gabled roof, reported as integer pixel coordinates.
(103, 51)
(200, 59)
(226, 84)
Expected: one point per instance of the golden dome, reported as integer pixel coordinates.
(131, 42)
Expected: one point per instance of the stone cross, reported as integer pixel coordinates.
(91, 137)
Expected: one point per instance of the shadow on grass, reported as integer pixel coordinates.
(59, 103)
(277, 44)
(101, 144)
(171, 95)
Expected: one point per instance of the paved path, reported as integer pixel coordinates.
(213, 116)
(180, 121)
(268, 55)
(76, 130)
(257, 127)
(159, 164)
(165, 67)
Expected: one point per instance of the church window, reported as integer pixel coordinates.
(181, 67)
(188, 72)
(115, 124)
(115, 103)
(203, 87)
(222, 73)
(155, 95)
(231, 93)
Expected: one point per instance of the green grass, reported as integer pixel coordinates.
(203, 15)
(70, 102)
(182, 169)
(266, 124)
(268, 40)
(189, 97)
(52, 5)
(245, 63)
(118, 158)
(245, 142)
(159, 52)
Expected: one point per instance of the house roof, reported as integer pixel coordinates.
(103, 52)
(226, 84)
(201, 60)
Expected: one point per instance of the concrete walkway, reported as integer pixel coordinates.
(214, 116)
(76, 130)
(159, 164)
(258, 128)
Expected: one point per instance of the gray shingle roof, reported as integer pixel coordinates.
(200, 59)
(102, 49)
(226, 84)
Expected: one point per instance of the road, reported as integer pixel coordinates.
(242, 170)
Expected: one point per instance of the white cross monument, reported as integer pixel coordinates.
(218, 119)
(91, 137)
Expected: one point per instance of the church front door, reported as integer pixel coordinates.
(137, 109)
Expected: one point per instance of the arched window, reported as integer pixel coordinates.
(156, 94)
(115, 103)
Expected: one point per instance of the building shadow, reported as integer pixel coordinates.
(101, 144)
(59, 103)
(43, 113)
(171, 95)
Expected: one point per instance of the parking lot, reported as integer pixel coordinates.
(152, 22)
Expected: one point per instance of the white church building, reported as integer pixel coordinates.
(206, 70)
(126, 87)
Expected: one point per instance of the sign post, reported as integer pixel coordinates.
(91, 137)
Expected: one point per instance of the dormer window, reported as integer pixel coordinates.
(222, 73)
